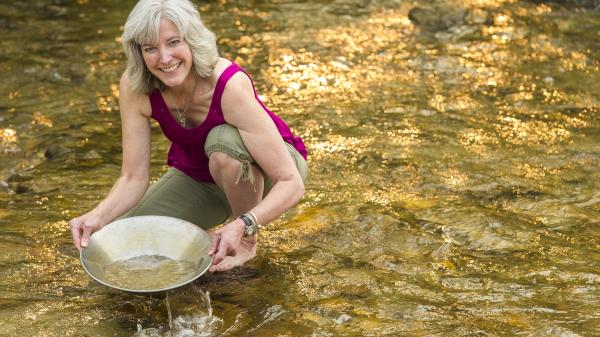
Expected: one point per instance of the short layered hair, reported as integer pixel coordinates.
(142, 28)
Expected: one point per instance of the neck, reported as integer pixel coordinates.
(187, 88)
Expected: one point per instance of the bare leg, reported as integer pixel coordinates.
(242, 197)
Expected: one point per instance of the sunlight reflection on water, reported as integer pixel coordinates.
(453, 148)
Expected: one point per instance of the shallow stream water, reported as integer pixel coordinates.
(453, 150)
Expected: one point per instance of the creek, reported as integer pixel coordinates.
(453, 153)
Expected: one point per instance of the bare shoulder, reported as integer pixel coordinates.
(131, 102)
(239, 90)
(221, 65)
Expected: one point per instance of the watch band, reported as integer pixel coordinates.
(249, 220)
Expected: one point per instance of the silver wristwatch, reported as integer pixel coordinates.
(251, 224)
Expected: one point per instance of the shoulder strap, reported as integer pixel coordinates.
(222, 81)
(156, 102)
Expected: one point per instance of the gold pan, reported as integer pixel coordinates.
(146, 254)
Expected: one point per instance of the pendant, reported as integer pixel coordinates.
(180, 118)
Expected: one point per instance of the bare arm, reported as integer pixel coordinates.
(135, 170)
(265, 144)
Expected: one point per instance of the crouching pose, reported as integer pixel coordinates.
(231, 160)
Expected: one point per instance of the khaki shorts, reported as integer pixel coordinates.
(177, 195)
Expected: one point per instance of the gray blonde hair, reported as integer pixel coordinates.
(142, 28)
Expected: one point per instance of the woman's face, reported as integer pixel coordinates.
(170, 58)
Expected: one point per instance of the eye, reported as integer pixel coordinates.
(173, 43)
(148, 49)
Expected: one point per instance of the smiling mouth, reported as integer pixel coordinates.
(171, 68)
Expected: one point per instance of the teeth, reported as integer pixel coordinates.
(170, 68)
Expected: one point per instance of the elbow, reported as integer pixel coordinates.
(299, 190)
(137, 178)
(291, 189)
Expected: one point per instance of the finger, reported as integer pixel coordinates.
(225, 265)
(85, 238)
(76, 233)
(217, 268)
(214, 244)
(221, 252)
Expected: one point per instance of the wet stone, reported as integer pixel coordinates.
(21, 188)
(349, 7)
(343, 318)
(548, 80)
(91, 158)
(479, 16)
(18, 178)
(427, 113)
(54, 151)
(4, 186)
(55, 76)
(94, 128)
(458, 33)
(437, 18)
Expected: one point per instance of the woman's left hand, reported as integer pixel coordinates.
(229, 247)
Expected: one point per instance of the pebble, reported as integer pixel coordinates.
(343, 318)
(427, 113)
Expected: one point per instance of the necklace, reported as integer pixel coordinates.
(181, 116)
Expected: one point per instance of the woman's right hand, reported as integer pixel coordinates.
(82, 227)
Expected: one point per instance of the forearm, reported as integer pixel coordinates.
(124, 195)
(284, 195)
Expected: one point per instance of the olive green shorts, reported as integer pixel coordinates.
(177, 195)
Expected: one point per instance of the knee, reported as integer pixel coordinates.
(226, 169)
(222, 161)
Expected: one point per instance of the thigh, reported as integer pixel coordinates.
(180, 196)
(226, 138)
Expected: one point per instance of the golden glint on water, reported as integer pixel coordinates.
(148, 272)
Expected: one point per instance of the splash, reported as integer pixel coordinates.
(195, 322)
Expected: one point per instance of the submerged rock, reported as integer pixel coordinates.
(437, 18)
(4, 186)
(54, 151)
(349, 7)
(22, 188)
(91, 159)
(478, 16)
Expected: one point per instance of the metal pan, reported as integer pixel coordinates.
(148, 238)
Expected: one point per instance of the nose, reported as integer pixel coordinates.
(165, 55)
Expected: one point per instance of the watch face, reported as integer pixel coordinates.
(251, 227)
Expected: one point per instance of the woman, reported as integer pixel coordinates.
(230, 157)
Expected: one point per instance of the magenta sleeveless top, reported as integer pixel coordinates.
(187, 145)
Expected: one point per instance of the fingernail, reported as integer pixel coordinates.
(84, 243)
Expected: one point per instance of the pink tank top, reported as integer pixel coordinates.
(187, 145)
